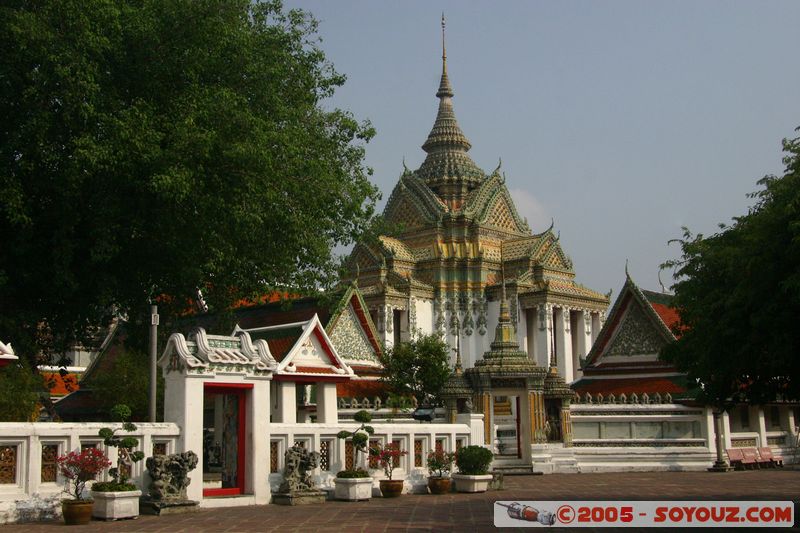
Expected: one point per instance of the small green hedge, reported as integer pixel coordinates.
(112, 486)
(352, 474)
(473, 460)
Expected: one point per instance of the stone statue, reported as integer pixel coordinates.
(170, 475)
(468, 407)
(299, 463)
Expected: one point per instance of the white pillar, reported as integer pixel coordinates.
(257, 469)
(726, 428)
(563, 343)
(530, 333)
(583, 337)
(183, 405)
(761, 424)
(544, 331)
(287, 403)
(327, 412)
(595, 326)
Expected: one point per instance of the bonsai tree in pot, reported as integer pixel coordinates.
(473, 469)
(78, 468)
(440, 463)
(119, 498)
(388, 456)
(355, 483)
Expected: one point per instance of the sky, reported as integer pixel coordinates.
(623, 121)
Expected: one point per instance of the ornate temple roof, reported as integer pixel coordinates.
(624, 358)
(454, 227)
(446, 145)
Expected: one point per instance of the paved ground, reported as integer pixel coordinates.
(462, 512)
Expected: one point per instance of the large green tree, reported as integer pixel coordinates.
(418, 368)
(738, 297)
(149, 148)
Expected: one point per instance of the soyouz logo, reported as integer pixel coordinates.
(643, 514)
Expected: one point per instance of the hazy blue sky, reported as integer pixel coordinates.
(623, 120)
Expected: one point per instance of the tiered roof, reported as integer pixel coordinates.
(453, 223)
(625, 356)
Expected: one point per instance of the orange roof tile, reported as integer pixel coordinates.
(61, 385)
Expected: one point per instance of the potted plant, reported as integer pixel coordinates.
(119, 498)
(473, 469)
(387, 456)
(440, 463)
(355, 484)
(78, 468)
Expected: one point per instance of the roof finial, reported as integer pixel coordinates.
(663, 288)
(627, 275)
(444, 50)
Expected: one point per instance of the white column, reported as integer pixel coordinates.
(596, 325)
(726, 428)
(530, 333)
(583, 337)
(761, 424)
(287, 403)
(791, 423)
(183, 405)
(327, 412)
(257, 467)
(563, 343)
(544, 332)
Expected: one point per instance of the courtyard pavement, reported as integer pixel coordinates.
(461, 512)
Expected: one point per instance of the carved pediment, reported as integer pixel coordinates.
(636, 335)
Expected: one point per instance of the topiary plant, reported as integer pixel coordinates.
(473, 460)
(125, 454)
(360, 438)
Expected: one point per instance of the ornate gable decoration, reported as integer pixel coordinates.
(501, 216)
(312, 354)
(491, 204)
(636, 335)
(351, 340)
(413, 204)
(632, 328)
(203, 353)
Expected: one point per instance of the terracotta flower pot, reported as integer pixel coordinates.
(391, 488)
(77, 512)
(439, 485)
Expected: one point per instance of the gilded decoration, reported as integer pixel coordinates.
(349, 338)
(636, 335)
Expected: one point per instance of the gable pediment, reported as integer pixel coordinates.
(636, 335)
(350, 339)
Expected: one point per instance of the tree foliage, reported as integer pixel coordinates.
(128, 382)
(738, 297)
(151, 148)
(418, 368)
(20, 390)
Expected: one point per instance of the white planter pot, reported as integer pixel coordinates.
(465, 483)
(353, 489)
(116, 505)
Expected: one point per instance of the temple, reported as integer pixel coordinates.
(454, 228)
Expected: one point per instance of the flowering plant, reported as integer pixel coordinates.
(78, 468)
(388, 456)
(440, 463)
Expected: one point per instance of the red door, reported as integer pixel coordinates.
(224, 447)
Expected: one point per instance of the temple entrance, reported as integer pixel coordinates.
(224, 441)
(553, 420)
(506, 410)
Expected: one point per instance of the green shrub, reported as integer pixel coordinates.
(473, 460)
(352, 474)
